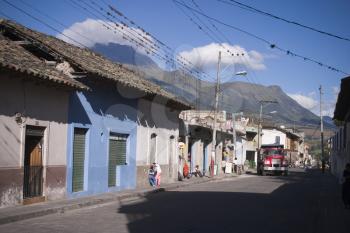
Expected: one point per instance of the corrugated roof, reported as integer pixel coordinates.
(94, 63)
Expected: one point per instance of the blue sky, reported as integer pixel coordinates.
(167, 22)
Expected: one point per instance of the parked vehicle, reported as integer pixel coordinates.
(272, 160)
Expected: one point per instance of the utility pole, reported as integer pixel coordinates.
(262, 102)
(321, 118)
(217, 93)
(234, 134)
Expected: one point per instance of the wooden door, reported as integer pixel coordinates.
(33, 167)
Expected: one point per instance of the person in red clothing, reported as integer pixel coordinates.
(185, 170)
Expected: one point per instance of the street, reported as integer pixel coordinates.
(302, 202)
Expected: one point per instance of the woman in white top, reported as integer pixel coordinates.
(158, 171)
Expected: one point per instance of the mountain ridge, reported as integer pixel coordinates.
(236, 96)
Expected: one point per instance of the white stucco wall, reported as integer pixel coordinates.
(241, 148)
(155, 118)
(41, 106)
(269, 136)
(163, 145)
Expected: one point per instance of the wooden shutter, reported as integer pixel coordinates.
(117, 156)
(78, 159)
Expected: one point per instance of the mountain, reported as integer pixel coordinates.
(236, 96)
(124, 54)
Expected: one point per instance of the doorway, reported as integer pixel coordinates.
(171, 155)
(33, 164)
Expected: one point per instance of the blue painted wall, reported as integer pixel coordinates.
(102, 111)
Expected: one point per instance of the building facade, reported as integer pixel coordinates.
(33, 122)
(339, 144)
(99, 133)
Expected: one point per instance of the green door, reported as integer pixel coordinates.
(78, 159)
(117, 156)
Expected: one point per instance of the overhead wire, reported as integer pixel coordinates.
(132, 40)
(54, 20)
(270, 44)
(179, 58)
(54, 29)
(265, 13)
(42, 22)
(228, 50)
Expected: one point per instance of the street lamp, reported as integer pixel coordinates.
(217, 93)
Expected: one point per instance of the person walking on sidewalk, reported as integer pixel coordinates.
(158, 171)
(151, 176)
(346, 186)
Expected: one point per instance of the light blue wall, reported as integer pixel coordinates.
(102, 111)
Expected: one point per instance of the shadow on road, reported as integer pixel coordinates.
(297, 206)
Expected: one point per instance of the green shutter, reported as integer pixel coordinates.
(117, 156)
(121, 152)
(78, 159)
(112, 162)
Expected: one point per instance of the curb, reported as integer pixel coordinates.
(97, 201)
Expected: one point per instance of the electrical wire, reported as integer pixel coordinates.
(255, 10)
(270, 44)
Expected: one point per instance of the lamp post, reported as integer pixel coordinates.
(217, 93)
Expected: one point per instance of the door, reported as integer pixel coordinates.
(33, 166)
(78, 159)
(117, 156)
(205, 160)
(171, 155)
(250, 156)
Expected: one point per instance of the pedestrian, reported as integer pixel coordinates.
(151, 176)
(197, 171)
(158, 171)
(346, 186)
(186, 170)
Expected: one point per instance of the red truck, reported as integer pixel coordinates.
(272, 160)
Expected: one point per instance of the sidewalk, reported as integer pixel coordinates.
(21, 212)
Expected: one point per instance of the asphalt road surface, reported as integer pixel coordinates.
(302, 202)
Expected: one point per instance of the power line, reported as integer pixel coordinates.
(270, 44)
(54, 20)
(225, 38)
(42, 22)
(166, 47)
(127, 35)
(255, 10)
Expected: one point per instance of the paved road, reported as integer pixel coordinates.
(303, 202)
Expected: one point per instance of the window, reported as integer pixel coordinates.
(117, 156)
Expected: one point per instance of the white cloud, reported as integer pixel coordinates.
(312, 103)
(92, 31)
(306, 101)
(207, 56)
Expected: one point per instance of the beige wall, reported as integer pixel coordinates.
(40, 105)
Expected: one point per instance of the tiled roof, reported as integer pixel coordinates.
(15, 57)
(94, 63)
